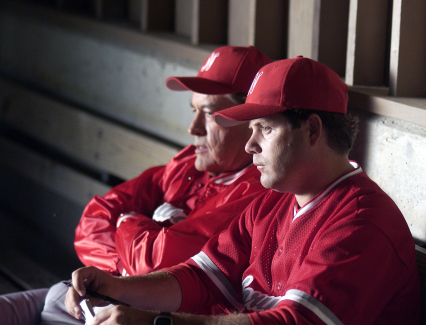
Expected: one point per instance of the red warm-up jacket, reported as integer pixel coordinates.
(139, 244)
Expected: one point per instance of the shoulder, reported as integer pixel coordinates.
(270, 204)
(369, 195)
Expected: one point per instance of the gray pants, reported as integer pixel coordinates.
(41, 306)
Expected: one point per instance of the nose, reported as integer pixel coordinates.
(197, 126)
(252, 147)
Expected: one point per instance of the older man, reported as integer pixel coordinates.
(334, 249)
(134, 228)
(167, 214)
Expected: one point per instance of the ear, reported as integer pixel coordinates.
(314, 124)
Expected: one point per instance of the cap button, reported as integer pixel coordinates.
(299, 56)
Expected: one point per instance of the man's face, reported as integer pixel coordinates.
(279, 152)
(218, 149)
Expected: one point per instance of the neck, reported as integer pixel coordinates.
(322, 176)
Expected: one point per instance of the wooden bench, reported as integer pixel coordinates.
(54, 158)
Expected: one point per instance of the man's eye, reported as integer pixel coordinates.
(266, 129)
(209, 114)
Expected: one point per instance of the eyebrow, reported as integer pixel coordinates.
(213, 107)
(251, 124)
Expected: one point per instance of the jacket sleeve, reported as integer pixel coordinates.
(145, 246)
(95, 233)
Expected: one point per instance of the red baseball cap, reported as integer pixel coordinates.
(228, 70)
(292, 83)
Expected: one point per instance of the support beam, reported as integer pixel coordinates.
(241, 21)
(209, 22)
(152, 15)
(367, 36)
(251, 22)
(408, 49)
(304, 28)
(318, 30)
(202, 21)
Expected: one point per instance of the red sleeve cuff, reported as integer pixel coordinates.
(190, 285)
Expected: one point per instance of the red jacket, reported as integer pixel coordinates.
(140, 245)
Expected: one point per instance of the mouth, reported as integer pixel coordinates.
(259, 165)
(200, 148)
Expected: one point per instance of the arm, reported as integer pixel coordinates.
(129, 316)
(155, 291)
(95, 233)
(144, 246)
(159, 290)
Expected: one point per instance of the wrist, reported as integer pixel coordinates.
(163, 318)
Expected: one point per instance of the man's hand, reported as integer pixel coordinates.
(123, 315)
(88, 277)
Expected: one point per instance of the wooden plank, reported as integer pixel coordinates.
(333, 34)
(27, 242)
(209, 22)
(184, 18)
(421, 264)
(123, 35)
(135, 13)
(271, 27)
(15, 265)
(7, 286)
(98, 8)
(202, 21)
(99, 143)
(412, 110)
(367, 35)
(408, 49)
(241, 22)
(109, 9)
(304, 28)
(154, 15)
(318, 30)
(48, 173)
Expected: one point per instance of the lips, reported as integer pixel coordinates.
(258, 165)
(200, 148)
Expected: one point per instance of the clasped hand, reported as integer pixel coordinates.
(105, 284)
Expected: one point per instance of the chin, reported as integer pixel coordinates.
(270, 184)
(265, 184)
(204, 168)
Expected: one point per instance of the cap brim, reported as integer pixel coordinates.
(199, 85)
(246, 112)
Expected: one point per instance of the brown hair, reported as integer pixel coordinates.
(341, 129)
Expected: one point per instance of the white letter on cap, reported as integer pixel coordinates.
(253, 84)
(209, 62)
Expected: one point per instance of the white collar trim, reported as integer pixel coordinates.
(319, 197)
(229, 179)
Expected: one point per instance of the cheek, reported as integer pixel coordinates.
(238, 137)
(278, 154)
(216, 137)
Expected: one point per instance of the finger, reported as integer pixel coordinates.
(72, 303)
(82, 278)
(102, 316)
